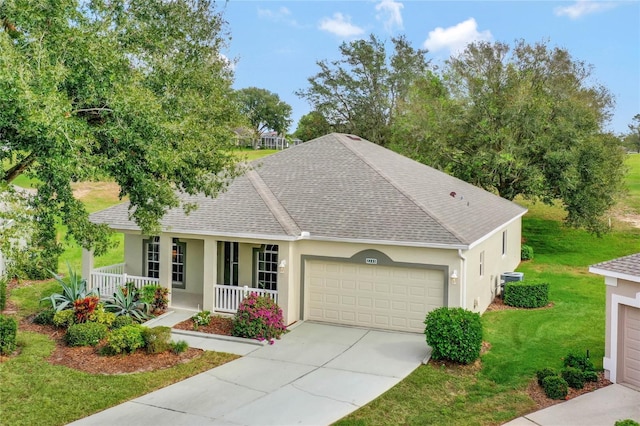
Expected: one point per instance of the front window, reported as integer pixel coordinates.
(267, 268)
(178, 252)
(152, 258)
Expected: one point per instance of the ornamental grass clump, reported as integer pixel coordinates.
(258, 317)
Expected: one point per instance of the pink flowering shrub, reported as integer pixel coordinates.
(258, 317)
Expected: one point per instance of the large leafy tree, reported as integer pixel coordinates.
(311, 126)
(135, 91)
(632, 140)
(359, 92)
(523, 120)
(264, 110)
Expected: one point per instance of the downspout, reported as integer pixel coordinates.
(463, 280)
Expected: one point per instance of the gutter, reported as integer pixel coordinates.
(463, 283)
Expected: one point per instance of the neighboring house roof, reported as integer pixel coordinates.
(341, 187)
(627, 268)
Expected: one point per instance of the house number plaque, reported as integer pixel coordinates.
(371, 261)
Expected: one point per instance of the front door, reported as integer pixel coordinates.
(230, 263)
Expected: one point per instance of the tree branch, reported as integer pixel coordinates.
(20, 167)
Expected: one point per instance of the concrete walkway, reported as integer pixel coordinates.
(602, 407)
(315, 375)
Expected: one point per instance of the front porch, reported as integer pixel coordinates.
(226, 298)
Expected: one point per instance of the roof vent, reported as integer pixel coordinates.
(354, 138)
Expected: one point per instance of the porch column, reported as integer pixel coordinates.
(87, 266)
(210, 273)
(166, 244)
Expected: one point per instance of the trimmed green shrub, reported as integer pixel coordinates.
(580, 361)
(179, 346)
(454, 334)
(8, 330)
(125, 339)
(573, 377)
(44, 317)
(86, 334)
(590, 376)
(526, 252)
(626, 422)
(555, 387)
(545, 372)
(201, 318)
(101, 316)
(523, 294)
(156, 340)
(64, 319)
(258, 317)
(3, 293)
(121, 321)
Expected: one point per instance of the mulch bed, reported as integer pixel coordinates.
(498, 305)
(541, 399)
(87, 359)
(218, 325)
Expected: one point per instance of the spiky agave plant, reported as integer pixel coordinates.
(73, 288)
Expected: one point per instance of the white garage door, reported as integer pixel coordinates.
(631, 347)
(371, 295)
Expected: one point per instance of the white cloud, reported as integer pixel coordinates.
(341, 26)
(390, 12)
(457, 37)
(281, 15)
(583, 7)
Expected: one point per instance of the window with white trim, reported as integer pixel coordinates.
(267, 267)
(178, 260)
(504, 243)
(178, 263)
(482, 263)
(152, 256)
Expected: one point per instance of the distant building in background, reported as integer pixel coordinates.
(272, 140)
(268, 140)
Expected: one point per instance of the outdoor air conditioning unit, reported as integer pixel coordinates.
(508, 277)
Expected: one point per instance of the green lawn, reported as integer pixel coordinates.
(633, 182)
(35, 392)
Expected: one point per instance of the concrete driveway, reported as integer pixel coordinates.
(602, 407)
(315, 375)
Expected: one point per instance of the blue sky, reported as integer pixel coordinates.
(276, 43)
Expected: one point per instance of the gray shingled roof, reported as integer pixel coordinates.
(341, 187)
(627, 266)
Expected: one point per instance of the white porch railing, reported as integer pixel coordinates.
(109, 278)
(228, 297)
(118, 268)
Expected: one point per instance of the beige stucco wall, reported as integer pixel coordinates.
(481, 290)
(472, 292)
(133, 254)
(627, 289)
